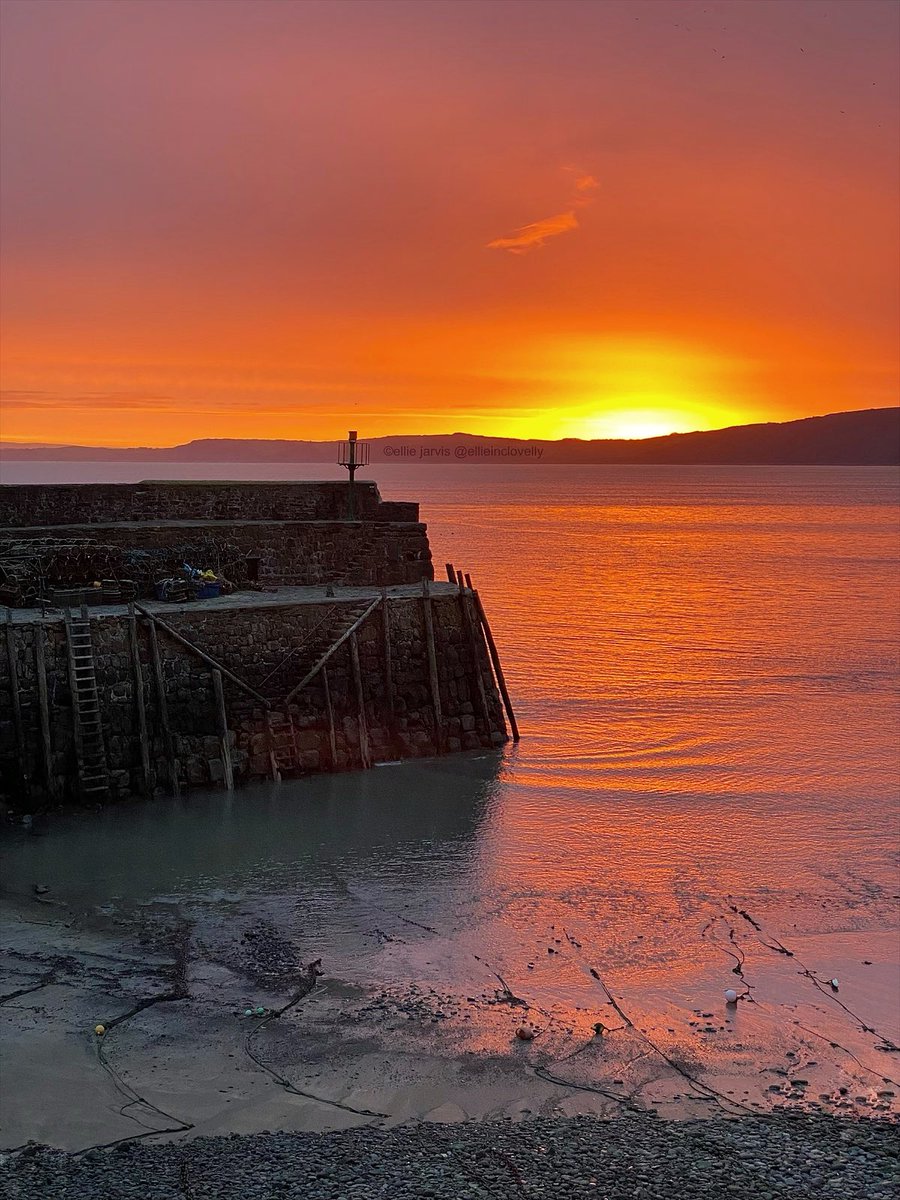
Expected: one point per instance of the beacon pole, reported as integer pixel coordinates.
(352, 454)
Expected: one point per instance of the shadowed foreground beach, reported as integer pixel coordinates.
(766, 1158)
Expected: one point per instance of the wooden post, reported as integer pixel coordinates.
(468, 621)
(451, 574)
(332, 741)
(222, 720)
(273, 761)
(139, 698)
(163, 705)
(21, 748)
(495, 659)
(360, 703)
(388, 664)
(432, 669)
(40, 670)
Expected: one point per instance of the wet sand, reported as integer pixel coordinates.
(181, 1057)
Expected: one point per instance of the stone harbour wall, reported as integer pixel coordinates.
(269, 648)
(300, 553)
(213, 500)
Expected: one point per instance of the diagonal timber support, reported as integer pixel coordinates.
(210, 662)
(314, 670)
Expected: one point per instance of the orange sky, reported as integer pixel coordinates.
(526, 219)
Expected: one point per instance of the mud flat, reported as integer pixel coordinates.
(346, 952)
(221, 1029)
(234, 1024)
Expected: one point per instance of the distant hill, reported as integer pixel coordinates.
(867, 438)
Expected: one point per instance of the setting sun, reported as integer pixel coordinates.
(633, 423)
(632, 386)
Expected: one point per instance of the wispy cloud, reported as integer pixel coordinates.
(585, 186)
(117, 401)
(537, 234)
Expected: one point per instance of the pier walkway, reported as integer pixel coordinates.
(274, 597)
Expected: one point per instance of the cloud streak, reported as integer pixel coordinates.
(529, 237)
(585, 186)
(538, 233)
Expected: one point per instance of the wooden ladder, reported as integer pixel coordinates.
(93, 773)
(283, 752)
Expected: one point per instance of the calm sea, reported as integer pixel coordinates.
(704, 664)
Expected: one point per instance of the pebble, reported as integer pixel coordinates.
(775, 1156)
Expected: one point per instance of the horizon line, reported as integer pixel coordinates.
(25, 445)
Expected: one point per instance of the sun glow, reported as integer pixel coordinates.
(633, 423)
(622, 386)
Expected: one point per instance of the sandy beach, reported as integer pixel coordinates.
(210, 1044)
(233, 1027)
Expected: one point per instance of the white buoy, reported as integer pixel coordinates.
(731, 996)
